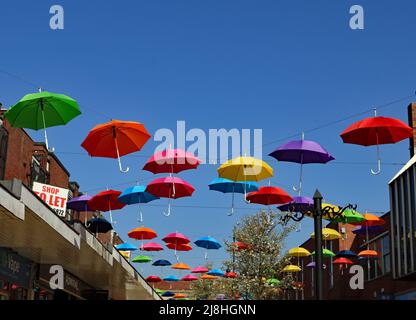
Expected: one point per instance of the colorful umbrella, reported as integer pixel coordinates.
(342, 261)
(99, 225)
(269, 195)
(171, 188)
(115, 139)
(151, 246)
(215, 272)
(346, 254)
(42, 110)
(291, 268)
(229, 186)
(199, 269)
(230, 275)
(313, 265)
(245, 169)
(106, 201)
(371, 220)
(189, 277)
(161, 263)
(273, 282)
(136, 194)
(303, 152)
(326, 253)
(326, 215)
(153, 279)
(368, 254)
(179, 247)
(168, 294)
(240, 245)
(209, 277)
(328, 234)
(208, 243)
(180, 296)
(171, 161)
(350, 216)
(181, 266)
(171, 278)
(141, 259)
(298, 252)
(376, 131)
(297, 204)
(177, 238)
(369, 229)
(126, 247)
(79, 204)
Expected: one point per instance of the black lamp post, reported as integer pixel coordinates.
(297, 213)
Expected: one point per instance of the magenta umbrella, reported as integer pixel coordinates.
(171, 188)
(189, 277)
(171, 161)
(151, 246)
(176, 238)
(199, 269)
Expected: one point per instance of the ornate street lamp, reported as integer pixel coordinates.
(297, 213)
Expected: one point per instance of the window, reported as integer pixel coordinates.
(378, 267)
(37, 173)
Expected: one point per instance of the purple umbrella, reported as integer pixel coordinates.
(313, 265)
(303, 152)
(298, 204)
(364, 229)
(79, 203)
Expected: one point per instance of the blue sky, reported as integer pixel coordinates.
(279, 66)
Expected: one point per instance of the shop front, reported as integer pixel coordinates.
(15, 276)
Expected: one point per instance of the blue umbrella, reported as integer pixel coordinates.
(168, 294)
(99, 225)
(136, 195)
(216, 272)
(364, 229)
(346, 254)
(207, 243)
(126, 247)
(161, 263)
(229, 186)
(171, 278)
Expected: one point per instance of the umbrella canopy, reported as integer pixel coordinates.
(136, 194)
(126, 247)
(141, 259)
(181, 266)
(209, 277)
(179, 247)
(142, 233)
(245, 169)
(151, 246)
(168, 294)
(368, 254)
(189, 277)
(376, 131)
(230, 186)
(161, 263)
(328, 234)
(346, 254)
(240, 245)
(115, 139)
(171, 278)
(159, 291)
(215, 272)
(350, 216)
(371, 220)
(99, 225)
(269, 195)
(291, 268)
(153, 279)
(180, 296)
(79, 203)
(369, 229)
(106, 201)
(326, 253)
(42, 110)
(171, 161)
(199, 269)
(230, 275)
(177, 238)
(273, 282)
(170, 187)
(325, 215)
(298, 252)
(342, 261)
(297, 204)
(208, 243)
(313, 265)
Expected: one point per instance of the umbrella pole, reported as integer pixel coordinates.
(376, 172)
(44, 124)
(232, 203)
(118, 154)
(140, 214)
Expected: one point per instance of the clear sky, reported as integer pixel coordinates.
(280, 66)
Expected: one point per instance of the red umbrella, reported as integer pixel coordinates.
(177, 238)
(342, 261)
(376, 131)
(269, 195)
(115, 139)
(142, 233)
(171, 161)
(170, 187)
(179, 247)
(106, 201)
(230, 275)
(153, 279)
(151, 246)
(189, 277)
(240, 245)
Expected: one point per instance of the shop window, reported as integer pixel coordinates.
(4, 137)
(378, 267)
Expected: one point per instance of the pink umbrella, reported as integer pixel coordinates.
(151, 246)
(171, 188)
(189, 277)
(199, 269)
(176, 238)
(171, 161)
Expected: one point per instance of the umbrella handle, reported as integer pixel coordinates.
(378, 171)
(232, 205)
(118, 157)
(167, 214)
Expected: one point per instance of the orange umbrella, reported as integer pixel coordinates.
(208, 277)
(181, 266)
(371, 220)
(142, 233)
(115, 139)
(179, 247)
(179, 296)
(368, 254)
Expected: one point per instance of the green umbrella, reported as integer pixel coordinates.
(42, 110)
(273, 282)
(351, 216)
(159, 291)
(326, 253)
(142, 259)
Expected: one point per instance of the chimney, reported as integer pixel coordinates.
(411, 109)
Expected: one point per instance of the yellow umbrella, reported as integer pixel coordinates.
(291, 268)
(245, 169)
(325, 216)
(298, 252)
(328, 234)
